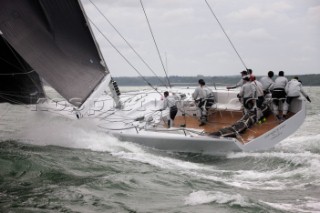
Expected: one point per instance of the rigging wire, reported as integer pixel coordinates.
(18, 59)
(210, 8)
(162, 83)
(13, 100)
(11, 64)
(114, 47)
(39, 88)
(154, 40)
(12, 74)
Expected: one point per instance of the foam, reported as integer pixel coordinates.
(280, 178)
(82, 134)
(231, 180)
(306, 158)
(158, 161)
(300, 143)
(204, 197)
(312, 206)
(297, 169)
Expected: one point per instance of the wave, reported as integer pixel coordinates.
(281, 168)
(204, 197)
(295, 169)
(83, 135)
(310, 205)
(72, 134)
(301, 142)
(278, 170)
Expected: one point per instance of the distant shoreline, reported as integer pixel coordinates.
(307, 80)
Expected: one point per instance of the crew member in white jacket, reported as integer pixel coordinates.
(247, 93)
(203, 96)
(267, 82)
(259, 96)
(278, 93)
(170, 102)
(244, 73)
(293, 90)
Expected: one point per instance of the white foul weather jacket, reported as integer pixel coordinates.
(294, 88)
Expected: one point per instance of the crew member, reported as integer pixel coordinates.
(247, 93)
(205, 99)
(293, 90)
(170, 102)
(267, 82)
(278, 93)
(258, 95)
(240, 83)
(250, 74)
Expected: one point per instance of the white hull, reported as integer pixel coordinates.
(121, 124)
(215, 146)
(204, 145)
(181, 140)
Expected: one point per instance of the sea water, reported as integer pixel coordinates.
(61, 165)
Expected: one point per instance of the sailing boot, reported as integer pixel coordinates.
(203, 120)
(171, 123)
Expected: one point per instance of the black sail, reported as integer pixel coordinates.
(52, 36)
(19, 83)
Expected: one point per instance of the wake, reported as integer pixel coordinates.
(297, 166)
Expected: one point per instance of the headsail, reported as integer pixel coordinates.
(53, 37)
(19, 83)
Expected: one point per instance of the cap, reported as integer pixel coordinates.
(201, 81)
(244, 72)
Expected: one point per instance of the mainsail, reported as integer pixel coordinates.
(54, 39)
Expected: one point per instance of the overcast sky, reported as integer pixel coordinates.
(269, 35)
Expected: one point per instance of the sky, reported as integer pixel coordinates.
(269, 35)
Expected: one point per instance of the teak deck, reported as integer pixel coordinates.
(222, 119)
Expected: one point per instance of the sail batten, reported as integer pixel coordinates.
(52, 36)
